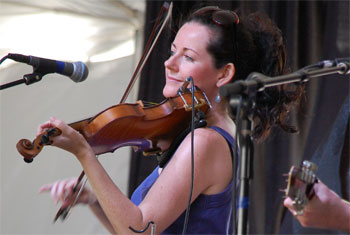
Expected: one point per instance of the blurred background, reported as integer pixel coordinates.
(108, 36)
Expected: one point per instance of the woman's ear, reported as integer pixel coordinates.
(226, 75)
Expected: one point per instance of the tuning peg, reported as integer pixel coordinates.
(310, 166)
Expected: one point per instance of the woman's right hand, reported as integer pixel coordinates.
(62, 190)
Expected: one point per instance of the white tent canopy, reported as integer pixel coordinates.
(85, 28)
(104, 34)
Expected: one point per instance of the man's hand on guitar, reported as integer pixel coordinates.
(325, 210)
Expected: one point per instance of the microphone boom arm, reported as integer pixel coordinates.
(303, 75)
(27, 79)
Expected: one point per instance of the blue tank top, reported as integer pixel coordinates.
(209, 214)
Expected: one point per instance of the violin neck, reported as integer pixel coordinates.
(79, 125)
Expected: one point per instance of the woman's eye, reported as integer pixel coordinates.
(189, 58)
(171, 52)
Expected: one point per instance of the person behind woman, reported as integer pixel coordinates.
(215, 47)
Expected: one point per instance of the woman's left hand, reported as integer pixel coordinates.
(69, 140)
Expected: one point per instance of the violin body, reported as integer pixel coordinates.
(148, 129)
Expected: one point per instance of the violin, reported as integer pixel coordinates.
(148, 129)
(144, 128)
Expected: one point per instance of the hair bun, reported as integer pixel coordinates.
(270, 44)
(274, 103)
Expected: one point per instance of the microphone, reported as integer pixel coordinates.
(77, 71)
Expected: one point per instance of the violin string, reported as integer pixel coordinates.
(149, 103)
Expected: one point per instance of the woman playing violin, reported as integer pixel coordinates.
(215, 47)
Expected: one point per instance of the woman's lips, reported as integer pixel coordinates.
(174, 79)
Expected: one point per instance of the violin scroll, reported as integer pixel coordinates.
(30, 149)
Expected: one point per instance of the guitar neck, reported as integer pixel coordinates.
(300, 184)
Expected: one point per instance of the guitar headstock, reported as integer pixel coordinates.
(300, 184)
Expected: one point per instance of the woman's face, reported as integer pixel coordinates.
(189, 57)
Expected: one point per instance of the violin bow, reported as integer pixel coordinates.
(149, 47)
(64, 211)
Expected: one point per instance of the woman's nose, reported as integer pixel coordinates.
(170, 63)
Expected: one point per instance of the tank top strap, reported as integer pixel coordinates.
(228, 137)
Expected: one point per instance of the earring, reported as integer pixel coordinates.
(218, 98)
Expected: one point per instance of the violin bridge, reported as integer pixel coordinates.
(186, 105)
(197, 105)
(140, 103)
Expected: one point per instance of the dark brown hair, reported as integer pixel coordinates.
(255, 44)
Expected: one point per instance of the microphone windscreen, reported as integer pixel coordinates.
(80, 72)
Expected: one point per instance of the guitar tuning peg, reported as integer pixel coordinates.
(310, 165)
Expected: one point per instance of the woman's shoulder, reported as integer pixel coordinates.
(214, 134)
(206, 134)
(208, 143)
(212, 154)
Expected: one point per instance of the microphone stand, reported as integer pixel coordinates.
(248, 89)
(246, 159)
(27, 79)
